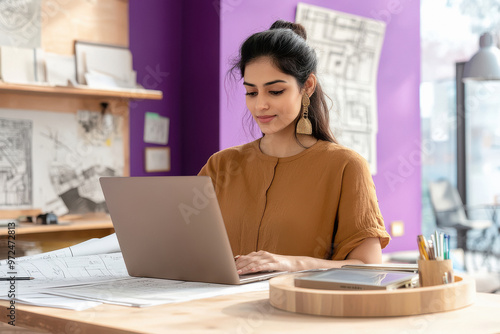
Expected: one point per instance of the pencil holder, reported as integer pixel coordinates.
(435, 272)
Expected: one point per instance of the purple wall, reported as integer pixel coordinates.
(156, 44)
(194, 40)
(200, 84)
(179, 40)
(398, 177)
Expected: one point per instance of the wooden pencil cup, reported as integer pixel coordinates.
(435, 272)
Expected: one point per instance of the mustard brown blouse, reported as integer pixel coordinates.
(290, 206)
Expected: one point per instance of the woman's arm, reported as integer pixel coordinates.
(369, 251)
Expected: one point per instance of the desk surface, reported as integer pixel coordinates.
(248, 313)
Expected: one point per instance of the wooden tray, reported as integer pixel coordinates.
(377, 303)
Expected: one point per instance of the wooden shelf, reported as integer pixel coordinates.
(81, 91)
(91, 223)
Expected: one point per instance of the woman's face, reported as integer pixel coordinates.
(273, 97)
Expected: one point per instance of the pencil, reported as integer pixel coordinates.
(422, 248)
(16, 278)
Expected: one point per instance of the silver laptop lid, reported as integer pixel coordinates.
(170, 227)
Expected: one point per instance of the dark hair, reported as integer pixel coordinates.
(285, 43)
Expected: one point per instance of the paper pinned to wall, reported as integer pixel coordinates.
(157, 159)
(54, 159)
(20, 23)
(348, 48)
(156, 128)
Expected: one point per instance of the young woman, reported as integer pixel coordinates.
(293, 199)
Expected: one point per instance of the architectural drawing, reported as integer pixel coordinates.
(69, 153)
(20, 23)
(76, 178)
(15, 163)
(348, 49)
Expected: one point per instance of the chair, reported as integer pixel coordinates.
(450, 212)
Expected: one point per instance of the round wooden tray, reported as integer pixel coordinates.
(371, 303)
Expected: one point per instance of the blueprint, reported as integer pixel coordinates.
(348, 49)
(56, 159)
(64, 271)
(144, 292)
(20, 23)
(92, 261)
(94, 272)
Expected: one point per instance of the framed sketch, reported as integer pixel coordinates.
(104, 66)
(53, 160)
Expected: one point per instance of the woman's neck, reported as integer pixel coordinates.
(285, 146)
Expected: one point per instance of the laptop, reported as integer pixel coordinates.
(171, 227)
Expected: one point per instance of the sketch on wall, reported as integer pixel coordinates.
(348, 49)
(67, 155)
(15, 162)
(20, 23)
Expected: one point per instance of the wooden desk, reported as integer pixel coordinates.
(248, 313)
(45, 238)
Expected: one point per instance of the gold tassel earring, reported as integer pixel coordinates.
(304, 126)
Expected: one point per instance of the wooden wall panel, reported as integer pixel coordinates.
(100, 21)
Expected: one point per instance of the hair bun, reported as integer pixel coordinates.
(295, 27)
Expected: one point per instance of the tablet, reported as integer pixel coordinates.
(357, 279)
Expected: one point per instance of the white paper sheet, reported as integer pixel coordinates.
(157, 159)
(95, 246)
(112, 60)
(156, 128)
(143, 292)
(40, 67)
(64, 271)
(60, 69)
(97, 79)
(41, 299)
(17, 65)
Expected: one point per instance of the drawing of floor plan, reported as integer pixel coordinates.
(348, 49)
(15, 163)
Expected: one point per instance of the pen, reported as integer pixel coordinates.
(447, 246)
(431, 250)
(16, 278)
(434, 247)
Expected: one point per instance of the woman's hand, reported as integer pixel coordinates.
(264, 261)
(368, 251)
